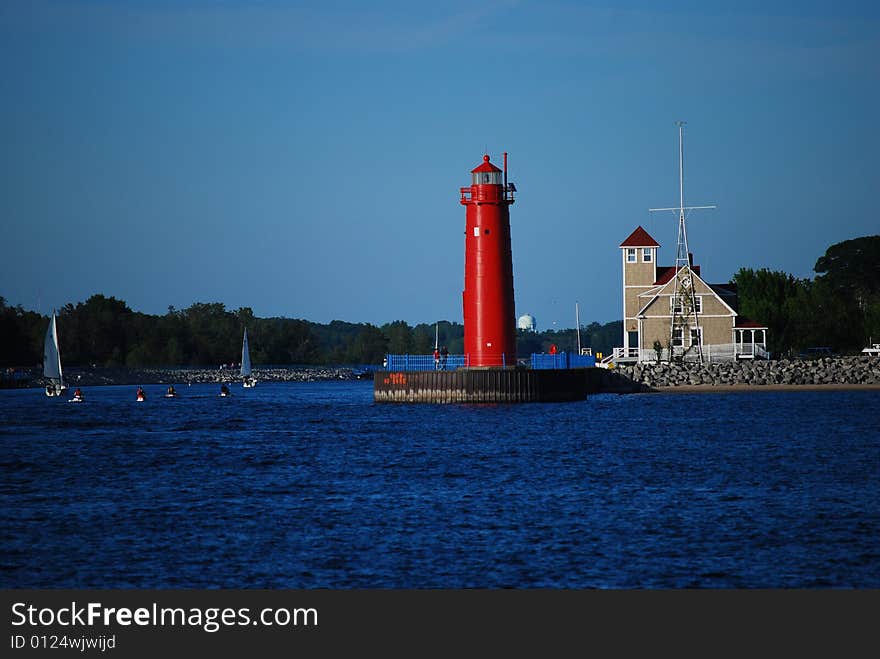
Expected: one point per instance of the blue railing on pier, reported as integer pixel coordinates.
(423, 363)
(562, 360)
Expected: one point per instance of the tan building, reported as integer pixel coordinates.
(714, 330)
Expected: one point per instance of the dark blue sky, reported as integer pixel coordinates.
(304, 159)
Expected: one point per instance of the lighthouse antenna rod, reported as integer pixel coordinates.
(505, 174)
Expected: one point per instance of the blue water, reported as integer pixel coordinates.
(312, 485)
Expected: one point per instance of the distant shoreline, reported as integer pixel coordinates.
(111, 376)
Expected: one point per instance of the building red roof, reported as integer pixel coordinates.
(486, 166)
(665, 274)
(638, 238)
(745, 323)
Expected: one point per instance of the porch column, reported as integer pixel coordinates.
(639, 326)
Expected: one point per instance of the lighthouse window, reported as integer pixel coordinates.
(486, 178)
(485, 232)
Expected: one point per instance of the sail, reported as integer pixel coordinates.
(245, 356)
(51, 356)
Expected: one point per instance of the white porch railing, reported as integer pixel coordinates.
(719, 352)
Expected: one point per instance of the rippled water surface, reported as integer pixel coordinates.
(307, 485)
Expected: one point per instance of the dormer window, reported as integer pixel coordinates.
(647, 255)
(630, 254)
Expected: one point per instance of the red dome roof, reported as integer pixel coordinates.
(486, 166)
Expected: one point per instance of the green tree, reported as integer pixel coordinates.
(528, 342)
(829, 318)
(774, 299)
(852, 266)
(400, 337)
(21, 336)
(444, 332)
(369, 346)
(97, 331)
(283, 341)
(851, 272)
(214, 332)
(604, 338)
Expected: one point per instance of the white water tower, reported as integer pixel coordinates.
(526, 322)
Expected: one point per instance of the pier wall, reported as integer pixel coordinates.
(496, 385)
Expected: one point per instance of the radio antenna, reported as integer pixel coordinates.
(683, 305)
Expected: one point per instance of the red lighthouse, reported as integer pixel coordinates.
(489, 313)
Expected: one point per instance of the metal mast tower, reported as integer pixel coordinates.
(683, 312)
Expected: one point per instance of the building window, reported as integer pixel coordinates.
(647, 255)
(677, 337)
(675, 304)
(630, 254)
(696, 336)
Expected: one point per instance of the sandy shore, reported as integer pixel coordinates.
(728, 388)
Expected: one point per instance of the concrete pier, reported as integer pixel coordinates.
(493, 385)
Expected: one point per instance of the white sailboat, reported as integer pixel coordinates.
(52, 361)
(248, 380)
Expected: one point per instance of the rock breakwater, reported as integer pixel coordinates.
(90, 377)
(855, 370)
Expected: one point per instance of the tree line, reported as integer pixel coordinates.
(839, 308)
(104, 331)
